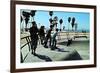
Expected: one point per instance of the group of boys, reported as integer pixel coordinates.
(36, 33)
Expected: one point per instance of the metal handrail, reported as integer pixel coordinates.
(29, 45)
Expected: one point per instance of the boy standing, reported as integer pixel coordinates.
(34, 37)
(54, 41)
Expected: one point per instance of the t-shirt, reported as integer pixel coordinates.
(33, 32)
(54, 34)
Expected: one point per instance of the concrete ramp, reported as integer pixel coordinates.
(62, 53)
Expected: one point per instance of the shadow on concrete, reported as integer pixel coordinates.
(63, 43)
(43, 57)
(61, 49)
(73, 42)
(73, 56)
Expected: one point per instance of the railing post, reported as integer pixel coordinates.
(29, 44)
(21, 57)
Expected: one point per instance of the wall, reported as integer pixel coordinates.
(5, 36)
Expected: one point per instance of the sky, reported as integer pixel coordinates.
(82, 19)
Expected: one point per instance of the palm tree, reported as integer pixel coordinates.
(51, 13)
(50, 20)
(73, 22)
(69, 19)
(76, 26)
(60, 21)
(33, 12)
(63, 27)
(68, 37)
(26, 15)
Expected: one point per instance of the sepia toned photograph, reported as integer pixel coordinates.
(52, 36)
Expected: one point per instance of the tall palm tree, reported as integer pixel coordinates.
(68, 37)
(63, 27)
(51, 13)
(76, 26)
(60, 21)
(73, 22)
(33, 13)
(31, 19)
(26, 15)
(69, 20)
(51, 20)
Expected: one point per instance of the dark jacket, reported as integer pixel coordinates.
(33, 32)
(41, 32)
(49, 33)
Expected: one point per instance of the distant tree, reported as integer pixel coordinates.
(63, 27)
(76, 26)
(51, 13)
(69, 19)
(26, 15)
(50, 20)
(73, 22)
(60, 21)
(32, 13)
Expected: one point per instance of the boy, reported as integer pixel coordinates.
(34, 37)
(54, 41)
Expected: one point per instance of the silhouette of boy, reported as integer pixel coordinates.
(48, 37)
(42, 34)
(34, 37)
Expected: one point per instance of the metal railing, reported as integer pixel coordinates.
(27, 38)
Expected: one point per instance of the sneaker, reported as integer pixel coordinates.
(46, 46)
(34, 54)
